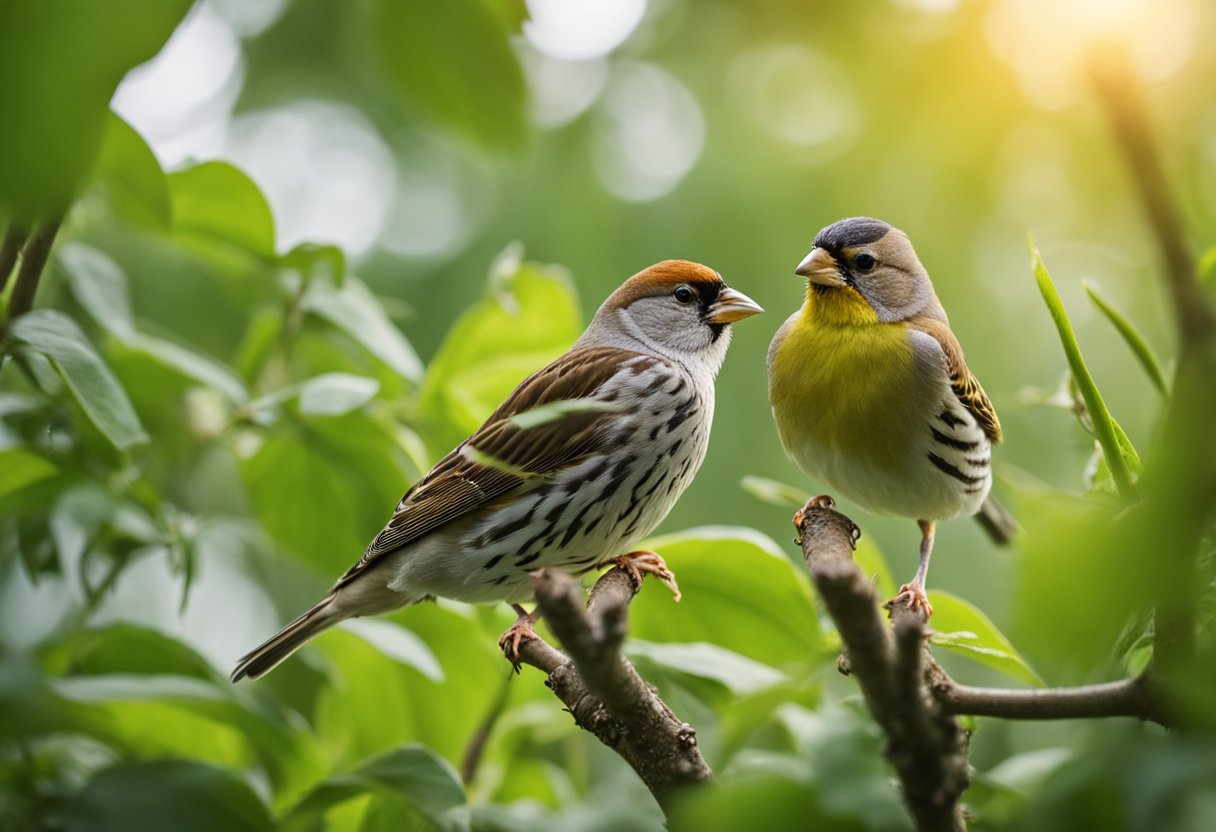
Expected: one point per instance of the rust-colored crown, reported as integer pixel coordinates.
(661, 278)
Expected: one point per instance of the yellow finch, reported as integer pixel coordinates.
(871, 394)
(581, 461)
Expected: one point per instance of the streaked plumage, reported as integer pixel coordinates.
(870, 390)
(584, 459)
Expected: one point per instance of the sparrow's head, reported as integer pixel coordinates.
(676, 308)
(863, 270)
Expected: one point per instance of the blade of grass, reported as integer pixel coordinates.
(1139, 347)
(1104, 429)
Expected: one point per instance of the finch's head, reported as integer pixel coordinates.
(676, 306)
(866, 261)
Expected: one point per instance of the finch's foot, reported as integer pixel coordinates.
(822, 501)
(644, 562)
(914, 596)
(521, 630)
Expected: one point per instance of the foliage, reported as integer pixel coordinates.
(201, 426)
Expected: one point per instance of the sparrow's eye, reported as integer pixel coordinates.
(864, 262)
(684, 294)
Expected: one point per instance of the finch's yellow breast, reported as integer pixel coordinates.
(845, 384)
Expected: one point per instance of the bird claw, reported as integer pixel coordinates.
(520, 631)
(638, 564)
(913, 595)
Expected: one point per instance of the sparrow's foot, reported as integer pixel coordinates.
(822, 501)
(645, 562)
(914, 596)
(521, 630)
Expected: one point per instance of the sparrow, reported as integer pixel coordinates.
(585, 458)
(871, 394)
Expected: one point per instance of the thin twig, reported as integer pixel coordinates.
(477, 743)
(602, 689)
(33, 260)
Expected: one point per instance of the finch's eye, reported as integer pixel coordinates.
(684, 294)
(864, 262)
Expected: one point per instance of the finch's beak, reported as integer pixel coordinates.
(732, 306)
(822, 268)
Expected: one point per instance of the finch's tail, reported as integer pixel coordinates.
(997, 521)
(291, 638)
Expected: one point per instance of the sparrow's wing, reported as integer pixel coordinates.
(547, 424)
(965, 385)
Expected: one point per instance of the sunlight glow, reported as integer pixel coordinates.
(581, 29)
(1048, 41)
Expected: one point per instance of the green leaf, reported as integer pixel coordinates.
(740, 593)
(333, 394)
(57, 337)
(171, 794)
(19, 468)
(100, 287)
(127, 649)
(216, 205)
(960, 627)
(482, 100)
(397, 643)
(323, 490)
(1139, 347)
(192, 364)
(355, 310)
(774, 492)
(312, 260)
(131, 179)
(1103, 423)
(62, 62)
(529, 317)
(870, 560)
(739, 674)
(414, 774)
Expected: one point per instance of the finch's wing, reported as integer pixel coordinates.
(547, 424)
(965, 385)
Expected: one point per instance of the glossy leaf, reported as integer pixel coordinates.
(169, 794)
(739, 674)
(528, 318)
(69, 58)
(19, 468)
(740, 593)
(1102, 421)
(413, 774)
(1132, 337)
(333, 394)
(131, 179)
(217, 205)
(102, 398)
(397, 643)
(100, 287)
(774, 492)
(482, 100)
(962, 628)
(355, 310)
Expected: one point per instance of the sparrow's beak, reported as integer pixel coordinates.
(822, 268)
(732, 306)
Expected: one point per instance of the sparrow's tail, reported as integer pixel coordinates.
(997, 521)
(291, 638)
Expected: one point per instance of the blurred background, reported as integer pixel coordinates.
(414, 146)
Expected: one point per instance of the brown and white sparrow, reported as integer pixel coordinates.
(871, 393)
(581, 461)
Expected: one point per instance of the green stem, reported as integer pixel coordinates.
(1104, 428)
(1134, 339)
(14, 239)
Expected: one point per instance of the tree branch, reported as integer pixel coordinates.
(602, 689)
(33, 260)
(910, 696)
